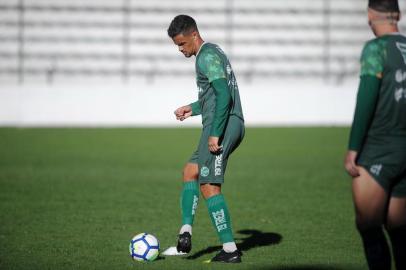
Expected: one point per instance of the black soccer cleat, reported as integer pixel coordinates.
(226, 257)
(184, 242)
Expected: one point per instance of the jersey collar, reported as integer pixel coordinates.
(201, 46)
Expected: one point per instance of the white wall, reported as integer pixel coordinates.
(268, 103)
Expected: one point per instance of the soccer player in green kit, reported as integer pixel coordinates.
(376, 157)
(223, 130)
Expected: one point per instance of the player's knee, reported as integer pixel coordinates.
(398, 232)
(364, 223)
(187, 176)
(210, 190)
(190, 173)
(393, 228)
(394, 223)
(396, 216)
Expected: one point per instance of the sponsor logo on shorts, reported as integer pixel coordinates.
(376, 169)
(220, 220)
(204, 171)
(218, 165)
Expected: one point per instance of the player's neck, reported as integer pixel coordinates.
(386, 29)
(199, 44)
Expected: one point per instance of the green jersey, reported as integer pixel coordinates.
(212, 64)
(385, 57)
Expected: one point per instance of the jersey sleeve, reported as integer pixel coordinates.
(212, 66)
(372, 59)
(223, 102)
(196, 110)
(367, 97)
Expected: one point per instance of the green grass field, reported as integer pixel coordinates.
(73, 198)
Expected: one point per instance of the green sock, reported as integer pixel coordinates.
(220, 217)
(189, 200)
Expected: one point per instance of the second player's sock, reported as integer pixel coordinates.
(376, 248)
(229, 247)
(398, 240)
(220, 217)
(189, 200)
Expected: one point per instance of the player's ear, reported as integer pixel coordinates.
(369, 15)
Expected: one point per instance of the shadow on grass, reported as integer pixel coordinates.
(253, 239)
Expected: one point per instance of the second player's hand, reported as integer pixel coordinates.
(183, 112)
(214, 144)
(350, 163)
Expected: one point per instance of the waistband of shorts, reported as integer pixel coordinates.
(387, 141)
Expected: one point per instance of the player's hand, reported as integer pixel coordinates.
(183, 112)
(214, 144)
(349, 163)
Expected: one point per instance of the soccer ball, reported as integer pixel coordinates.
(144, 247)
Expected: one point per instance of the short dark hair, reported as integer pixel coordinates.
(182, 24)
(384, 5)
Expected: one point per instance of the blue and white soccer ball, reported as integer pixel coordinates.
(144, 247)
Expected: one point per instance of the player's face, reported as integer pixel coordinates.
(186, 43)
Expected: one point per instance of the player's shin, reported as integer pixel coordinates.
(189, 201)
(221, 220)
(398, 240)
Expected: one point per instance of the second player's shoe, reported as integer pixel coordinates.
(184, 242)
(227, 257)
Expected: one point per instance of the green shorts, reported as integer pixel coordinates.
(212, 167)
(387, 165)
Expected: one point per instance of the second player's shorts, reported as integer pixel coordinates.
(387, 165)
(212, 167)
